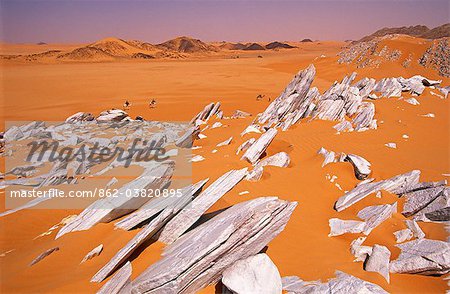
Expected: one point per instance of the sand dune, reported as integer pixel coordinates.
(303, 248)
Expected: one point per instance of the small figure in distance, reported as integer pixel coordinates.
(259, 97)
(126, 105)
(152, 103)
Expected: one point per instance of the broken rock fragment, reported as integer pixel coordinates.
(120, 282)
(339, 227)
(189, 215)
(343, 283)
(423, 257)
(93, 253)
(360, 165)
(255, 151)
(378, 261)
(375, 215)
(44, 255)
(199, 258)
(255, 274)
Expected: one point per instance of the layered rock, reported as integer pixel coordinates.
(422, 256)
(199, 257)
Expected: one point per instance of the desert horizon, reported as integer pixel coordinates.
(181, 165)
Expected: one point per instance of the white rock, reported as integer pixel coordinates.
(255, 274)
(378, 261)
(391, 145)
(197, 158)
(339, 227)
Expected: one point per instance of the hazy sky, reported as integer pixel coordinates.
(239, 20)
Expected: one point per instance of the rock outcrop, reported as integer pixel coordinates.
(199, 257)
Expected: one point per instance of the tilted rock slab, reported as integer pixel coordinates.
(157, 204)
(188, 138)
(80, 116)
(120, 282)
(145, 234)
(418, 200)
(112, 115)
(422, 256)
(360, 251)
(209, 110)
(244, 146)
(342, 284)
(378, 261)
(398, 185)
(44, 255)
(339, 227)
(293, 97)
(255, 151)
(93, 253)
(360, 165)
(199, 257)
(255, 274)
(110, 208)
(364, 116)
(374, 215)
(189, 215)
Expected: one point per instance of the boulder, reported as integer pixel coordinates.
(256, 150)
(255, 274)
(80, 116)
(360, 165)
(112, 115)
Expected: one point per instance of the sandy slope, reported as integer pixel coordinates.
(182, 88)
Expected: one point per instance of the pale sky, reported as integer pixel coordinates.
(80, 21)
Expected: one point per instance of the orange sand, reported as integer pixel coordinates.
(182, 88)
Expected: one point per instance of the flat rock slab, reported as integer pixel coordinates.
(145, 234)
(360, 165)
(423, 257)
(397, 185)
(255, 151)
(374, 215)
(199, 258)
(93, 253)
(44, 255)
(339, 227)
(108, 209)
(378, 261)
(189, 215)
(342, 284)
(157, 204)
(120, 282)
(255, 274)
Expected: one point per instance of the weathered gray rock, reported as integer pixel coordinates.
(360, 165)
(145, 234)
(255, 174)
(339, 227)
(403, 235)
(188, 138)
(244, 146)
(107, 209)
(199, 257)
(342, 284)
(389, 87)
(240, 114)
(207, 112)
(155, 205)
(329, 156)
(292, 98)
(112, 115)
(364, 116)
(399, 185)
(343, 126)
(358, 250)
(255, 274)
(93, 253)
(189, 215)
(280, 159)
(378, 261)
(422, 256)
(418, 200)
(44, 255)
(375, 215)
(225, 143)
(256, 150)
(120, 282)
(80, 116)
(415, 229)
(440, 215)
